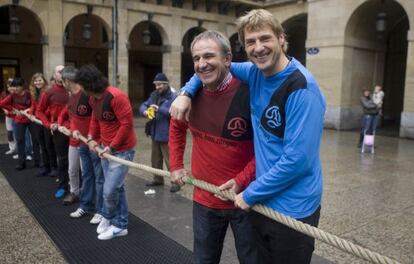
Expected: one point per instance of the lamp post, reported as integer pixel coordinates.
(381, 22)
(87, 27)
(146, 34)
(14, 25)
(86, 31)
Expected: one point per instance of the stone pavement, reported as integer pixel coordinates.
(368, 199)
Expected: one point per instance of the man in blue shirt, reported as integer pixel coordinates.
(287, 109)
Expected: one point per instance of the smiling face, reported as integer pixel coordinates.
(210, 64)
(264, 48)
(39, 83)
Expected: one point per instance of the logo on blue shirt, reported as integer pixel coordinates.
(273, 117)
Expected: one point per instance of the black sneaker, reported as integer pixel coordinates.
(70, 198)
(53, 173)
(43, 172)
(175, 188)
(21, 167)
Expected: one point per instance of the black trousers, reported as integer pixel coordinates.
(278, 243)
(21, 142)
(48, 153)
(61, 143)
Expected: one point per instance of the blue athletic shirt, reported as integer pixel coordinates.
(287, 111)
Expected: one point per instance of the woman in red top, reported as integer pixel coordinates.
(37, 87)
(20, 100)
(9, 119)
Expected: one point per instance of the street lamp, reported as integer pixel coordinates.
(381, 22)
(86, 31)
(146, 34)
(14, 25)
(87, 27)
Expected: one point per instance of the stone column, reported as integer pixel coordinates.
(53, 51)
(407, 116)
(171, 58)
(122, 48)
(171, 65)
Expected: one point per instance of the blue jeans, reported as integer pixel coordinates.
(210, 226)
(370, 123)
(91, 195)
(115, 202)
(27, 138)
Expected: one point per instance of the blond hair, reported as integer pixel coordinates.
(32, 88)
(255, 20)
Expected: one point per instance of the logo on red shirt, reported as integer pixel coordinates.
(108, 116)
(82, 109)
(237, 126)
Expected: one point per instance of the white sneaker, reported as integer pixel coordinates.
(16, 156)
(96, 219)
(112, 232)
(103, 225)
(28, 157)
(78, 213)
(10, 151)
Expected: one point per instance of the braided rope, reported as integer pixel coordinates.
(304, 228)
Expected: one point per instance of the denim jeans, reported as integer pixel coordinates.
(370, 124)
(115, 202)
(91, 196)
(210, 226)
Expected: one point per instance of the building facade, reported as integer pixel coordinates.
(347, 44)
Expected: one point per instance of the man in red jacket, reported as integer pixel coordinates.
(222, 150)
(112, 123)
(51, 104)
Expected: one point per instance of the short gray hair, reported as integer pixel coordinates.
(69, 73)
(220, 39)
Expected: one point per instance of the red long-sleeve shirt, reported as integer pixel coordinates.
(2, 96)
(76, 115)
(52, 102)
(19, 102)
(222, 141)
(112, 120)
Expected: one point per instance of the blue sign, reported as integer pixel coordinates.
(312, 51)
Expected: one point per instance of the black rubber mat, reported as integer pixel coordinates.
(77, 239)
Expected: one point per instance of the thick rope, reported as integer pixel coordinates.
(304, 228)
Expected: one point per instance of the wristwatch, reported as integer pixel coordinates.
(185, 93)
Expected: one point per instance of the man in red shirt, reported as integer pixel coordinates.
(222, 151)
(112, 123)
(51, 104)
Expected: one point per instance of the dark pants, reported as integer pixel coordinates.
(21, 142)
(61, 143)
(159, 155)
(49, 155)
(369, 125)
(278, 243)
(210, 226)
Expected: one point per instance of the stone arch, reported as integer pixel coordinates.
(296, 33)
(101, 13)
(21, 40)
(145, 59)
(158, 25)
(87, 48)
(377, 58)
